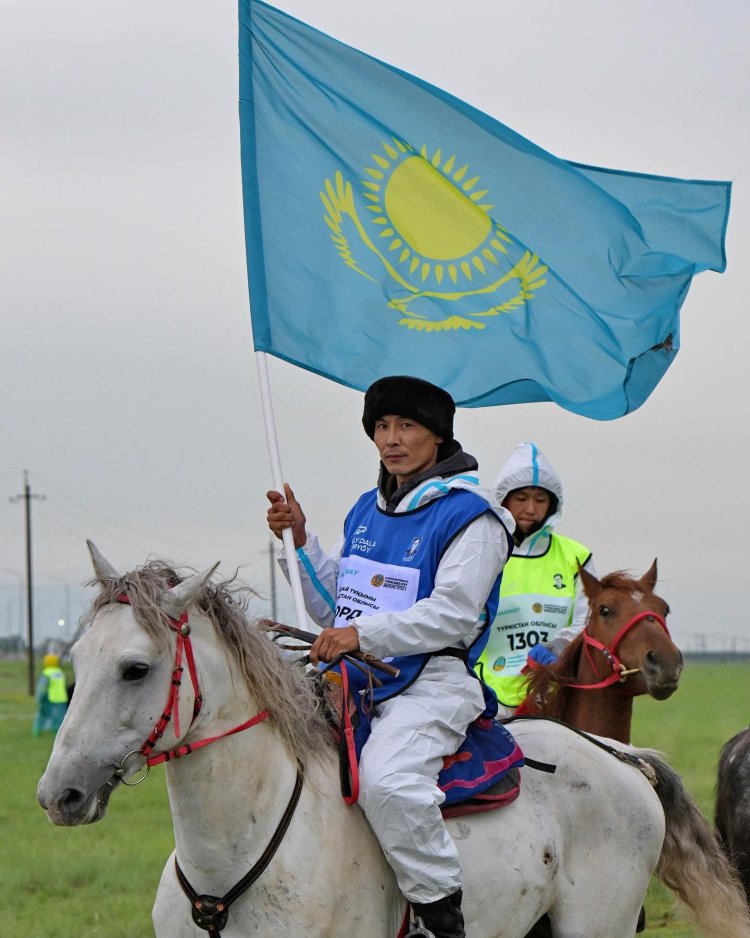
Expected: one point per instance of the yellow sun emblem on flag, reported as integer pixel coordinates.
(426, 221)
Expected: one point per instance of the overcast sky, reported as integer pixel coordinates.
(129, 388)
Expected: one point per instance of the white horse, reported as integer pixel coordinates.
(578, 845)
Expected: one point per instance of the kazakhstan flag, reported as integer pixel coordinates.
(393, 229)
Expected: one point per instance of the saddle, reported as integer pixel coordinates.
(482, 775)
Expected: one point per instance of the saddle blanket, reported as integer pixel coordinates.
(483, 774)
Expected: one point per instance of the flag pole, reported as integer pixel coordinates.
(272, 441)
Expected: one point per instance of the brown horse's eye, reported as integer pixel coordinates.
(604, 611)
(667, 610)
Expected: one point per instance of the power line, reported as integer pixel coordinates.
(97, 514)
(82, 535)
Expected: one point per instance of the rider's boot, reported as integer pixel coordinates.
(443, 919)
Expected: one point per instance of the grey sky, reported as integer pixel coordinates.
(128, 376)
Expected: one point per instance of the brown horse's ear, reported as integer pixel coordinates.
(649, 577)
(591, 586)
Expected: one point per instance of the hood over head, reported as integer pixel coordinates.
(529, 466)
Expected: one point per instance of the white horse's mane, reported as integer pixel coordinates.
(274, 681)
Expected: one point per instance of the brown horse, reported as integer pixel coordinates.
(624, 650)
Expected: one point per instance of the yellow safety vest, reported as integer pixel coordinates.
(536, 600)
(57, 692)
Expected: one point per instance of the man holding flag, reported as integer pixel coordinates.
(414, 579)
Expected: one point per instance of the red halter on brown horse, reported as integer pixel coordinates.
(625, 650)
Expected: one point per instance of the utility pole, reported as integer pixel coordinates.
(26, 497)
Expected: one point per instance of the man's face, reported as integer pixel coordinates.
(529, 506)
(406, 447)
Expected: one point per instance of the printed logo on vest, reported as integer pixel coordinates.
(558, 581)
(537, 607)
(361, 529)
(377, 580)
(413, 547)
(362, 544)
(499, 664)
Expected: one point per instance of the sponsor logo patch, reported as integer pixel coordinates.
(413, 547)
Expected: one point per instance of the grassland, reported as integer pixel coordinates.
(99, 881)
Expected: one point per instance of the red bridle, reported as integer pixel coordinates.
(182, 627)
(209, 912)
(619, 671)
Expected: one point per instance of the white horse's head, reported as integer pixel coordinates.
(123, 666)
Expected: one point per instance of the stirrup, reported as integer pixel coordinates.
(419, 930)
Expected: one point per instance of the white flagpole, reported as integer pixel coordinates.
(278, 481)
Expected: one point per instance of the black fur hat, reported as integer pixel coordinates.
(409, 397)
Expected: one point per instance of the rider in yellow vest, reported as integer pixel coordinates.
(51, 697)
(542, 605)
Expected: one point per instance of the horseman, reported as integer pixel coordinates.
(542, 606)
(415, 578)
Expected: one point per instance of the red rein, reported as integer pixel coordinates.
(610, 653)
(182, 628)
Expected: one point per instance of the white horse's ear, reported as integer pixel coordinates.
(103, 569)
(175, 601)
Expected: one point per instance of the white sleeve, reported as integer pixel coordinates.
(580, 613)
(455, 607)
(318, 573)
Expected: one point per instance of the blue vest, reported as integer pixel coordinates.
(388, 563)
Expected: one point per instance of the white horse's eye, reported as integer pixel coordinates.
(135, 672)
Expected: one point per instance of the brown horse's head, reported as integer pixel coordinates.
(628, 619)
(625, 650)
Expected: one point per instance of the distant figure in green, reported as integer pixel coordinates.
(51, 697)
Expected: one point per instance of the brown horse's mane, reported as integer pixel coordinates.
(549, 685)
(274, 681)
(547, 689)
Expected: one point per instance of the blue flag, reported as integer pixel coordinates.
(393, 229)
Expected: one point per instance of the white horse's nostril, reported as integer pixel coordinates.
(71, 800)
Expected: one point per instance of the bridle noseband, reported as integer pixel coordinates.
(619, 672)
(209, 912)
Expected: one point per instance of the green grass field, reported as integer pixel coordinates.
(99, 881)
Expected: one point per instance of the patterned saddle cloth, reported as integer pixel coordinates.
(482, 775)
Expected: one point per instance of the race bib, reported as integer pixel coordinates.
(522, 622)
(366, 587)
